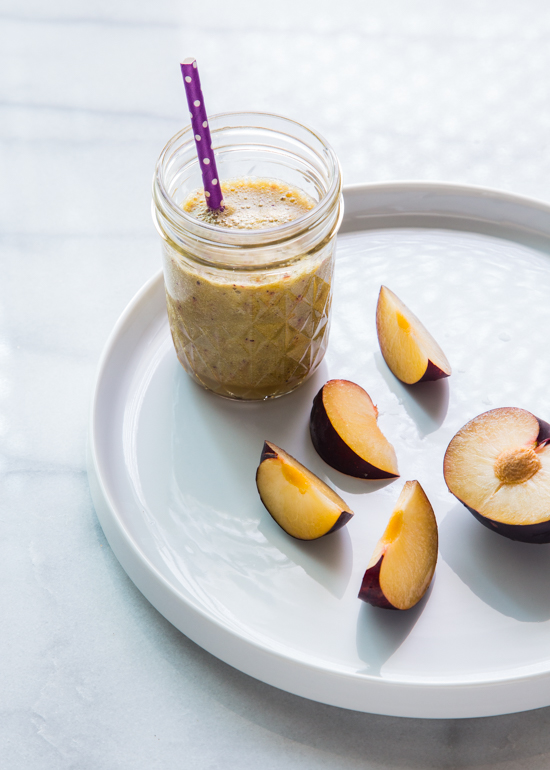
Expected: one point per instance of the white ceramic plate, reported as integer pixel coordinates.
(172, 471)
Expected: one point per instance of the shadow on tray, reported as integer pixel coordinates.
(511, 577)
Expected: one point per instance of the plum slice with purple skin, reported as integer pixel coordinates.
(403, 563)
(408, 348)
(498, 466)
(299, 501)
(344, 431)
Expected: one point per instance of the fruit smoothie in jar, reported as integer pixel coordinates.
(248, 288)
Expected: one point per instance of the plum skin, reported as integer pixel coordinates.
(333, 449)
(432, 374)
(544, 431)
(536, 534)
(267, 453)
(371, 591)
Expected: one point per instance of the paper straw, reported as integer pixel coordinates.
(201, 131)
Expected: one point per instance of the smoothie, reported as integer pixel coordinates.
(241, 333)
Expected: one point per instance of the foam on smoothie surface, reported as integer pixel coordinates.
(252, 204)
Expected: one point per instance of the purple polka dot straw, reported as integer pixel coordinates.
(199, 123)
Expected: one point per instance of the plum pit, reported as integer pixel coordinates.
(514, 466)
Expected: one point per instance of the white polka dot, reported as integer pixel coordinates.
(197, 137)
(191, 114)
(205, 124)
(214, 181)
(195, 64)
(187, 79)
(197, 103)
(206, 161)
(207, 193)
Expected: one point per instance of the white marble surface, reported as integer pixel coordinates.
(91, 676)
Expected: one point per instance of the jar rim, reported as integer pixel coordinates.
(248, 238)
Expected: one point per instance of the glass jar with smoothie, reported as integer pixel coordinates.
(248, 289)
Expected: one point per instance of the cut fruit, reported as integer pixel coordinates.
(403, 562)
(303, 505)
(498, 466)
(408, 348)
(345, 433)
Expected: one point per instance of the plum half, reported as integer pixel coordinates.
(403, 563)
(498, 466)
(408, 348)
(303, 505)
(345, 433)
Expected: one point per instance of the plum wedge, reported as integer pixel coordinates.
(498, 466)
(345, 433)
(403, 563)
(408, 348)
(303, 505)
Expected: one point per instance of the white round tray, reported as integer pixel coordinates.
(172, 468)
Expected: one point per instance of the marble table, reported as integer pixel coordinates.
(91, 675)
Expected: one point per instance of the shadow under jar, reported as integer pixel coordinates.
(249, 309)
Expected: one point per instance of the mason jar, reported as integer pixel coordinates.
(249, 309)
